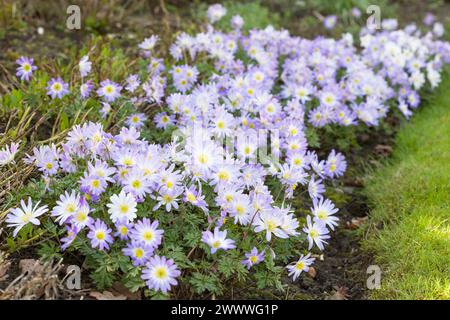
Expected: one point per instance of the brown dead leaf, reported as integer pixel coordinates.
(30, 265)
(340, 293)
(119, 289)
(312, 272)
(355, 223)
(382, 149)
(4, 267)
(106, 295)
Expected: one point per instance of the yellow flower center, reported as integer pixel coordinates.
(223, 175)
(271, 225)
(148, 235)
(161, 273)
(57, 87)
(123, 208)
(191, 197)
(136, 184)
(300, 265)
(167, 198)
(95, 183)
(109, 89)
(240, 209)
(138, 253)
(123, 230)
(100, 235)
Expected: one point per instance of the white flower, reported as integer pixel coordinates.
(8, 153)
(19, 217)
(122, 207)
(317, 233)
(67, 206)
(302, 265)
(216, 12)
(324, 210)
(85, 66)
(270, 222)
(149, 43)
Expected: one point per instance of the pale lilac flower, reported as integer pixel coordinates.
(147, 232)
(217, 240)
(138, 252)
(100, 235)
(160, 274)
(86, 88)
(57, 88)
(85, 66)
(8, 153)
(253, 258)
(316, 233)
(25, 68)
(323, 211)
(302, 265)
(109, 90)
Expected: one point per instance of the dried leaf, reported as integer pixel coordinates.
(30, 265)
(312, 272)
(106, 295)
(341, 293)
(355, 223)
(4, 267)
(383, 150)
(119, 289)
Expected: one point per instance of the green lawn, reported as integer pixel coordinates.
(409, 230)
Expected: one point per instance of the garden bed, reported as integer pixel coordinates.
(339, 271)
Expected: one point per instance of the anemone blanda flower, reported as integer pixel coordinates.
(330, 21)
(25, 68)
(57, 88)
(324, 210)
(271, 223)
(123, 229)
(147, 232)
(122, 207)
(8, 153)
(17, 218)
(253, 258)
(81, 217)
(86, 88)
(160, 273)
(72, 232)
(100, 235)
(138, 252)
(149, 43)
(237, 22)
(335, 165)
(109, 90)
(217, 240)
(216, 12)
(136, 120)
(84, 66)
(302, 265)
(316, 232)
(66, 206)
(315, 188)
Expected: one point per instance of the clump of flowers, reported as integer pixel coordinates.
(220, 194)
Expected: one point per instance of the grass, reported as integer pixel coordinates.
(410, 221)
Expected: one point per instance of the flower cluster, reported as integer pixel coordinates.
(241, 135)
